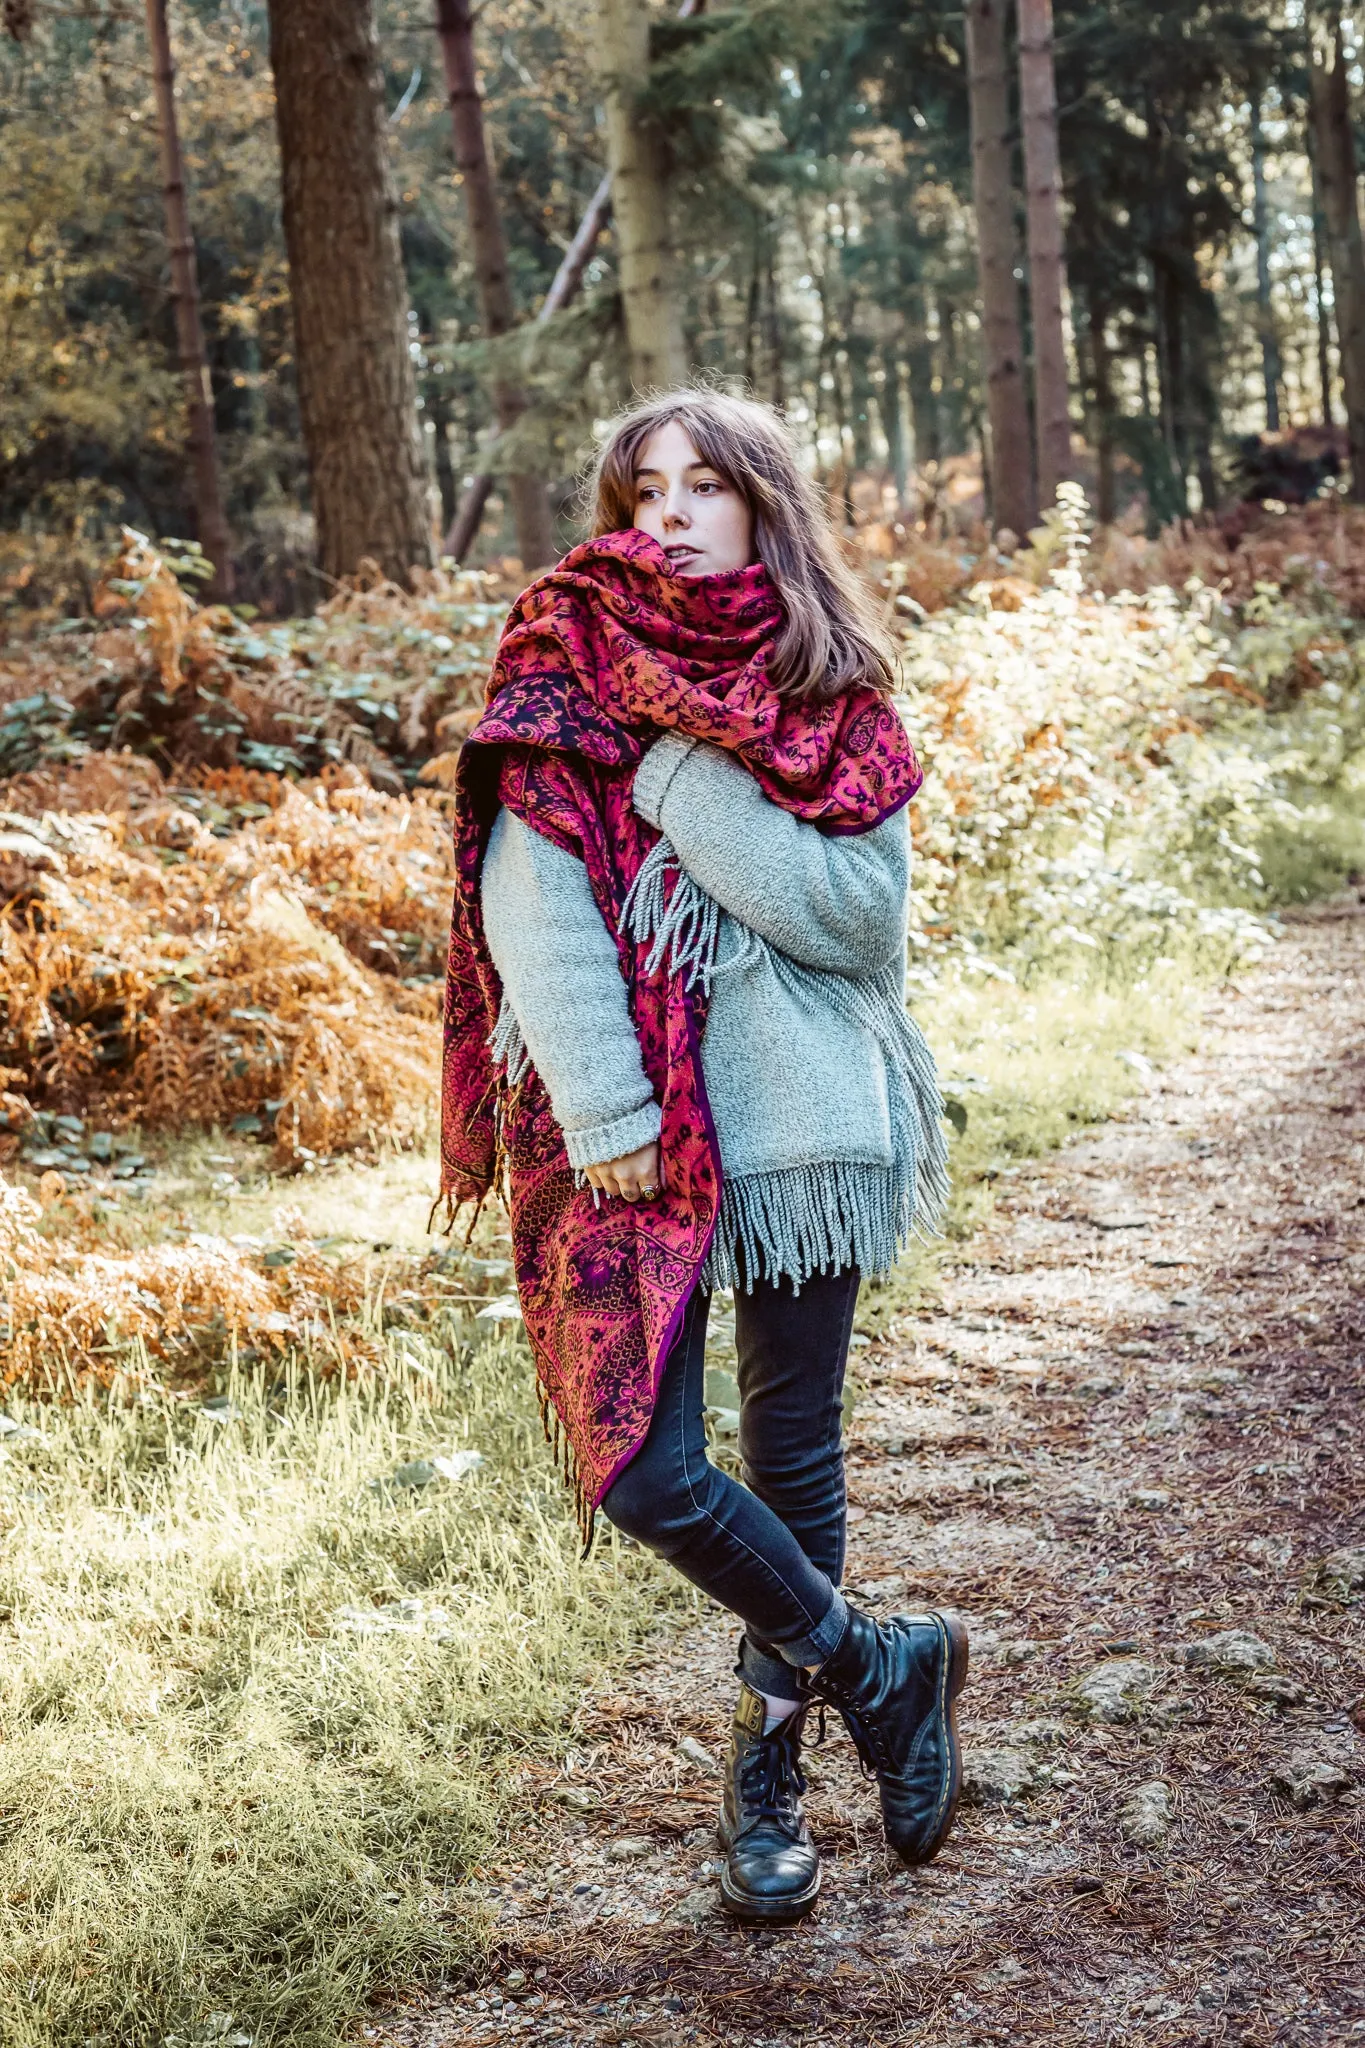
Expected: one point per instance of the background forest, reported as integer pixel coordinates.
(805, 172)
(309, 312)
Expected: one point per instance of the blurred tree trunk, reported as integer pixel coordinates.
(208, 493)
(1265, 315)
(1170, 359)
(455, 27)
(654, 337)
(1102, 375)
(777, 383)
(1047, 263)
(1324, 317)
(1334, 150)
(357, 386)
(893, 420)
(1012, 501)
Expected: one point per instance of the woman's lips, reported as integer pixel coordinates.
(680, 553)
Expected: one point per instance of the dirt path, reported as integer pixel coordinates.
(1133, 1426)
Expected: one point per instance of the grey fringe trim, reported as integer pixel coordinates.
(685, 931)
(799, 1220)
(508, 1047)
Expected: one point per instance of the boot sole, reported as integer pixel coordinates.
(956, 1659)
(768, 1912)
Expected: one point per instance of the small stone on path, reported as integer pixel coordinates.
(1307, 1780)
(1145, 1820)
(1233, 1653)
(628, 1849)
(695, 1907)
(1117, 1691)
(993, 1777)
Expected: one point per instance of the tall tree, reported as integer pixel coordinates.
(1265, 313)
(1013, 502)
(1323, 319)
(1334, 153)
(1046, 261)
(455, 26)
(357, 387)
(645, 256)
(189, 327)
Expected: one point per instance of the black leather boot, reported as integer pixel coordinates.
(772, 1867)
(896, 1683)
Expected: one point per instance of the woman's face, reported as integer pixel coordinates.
(699, 520)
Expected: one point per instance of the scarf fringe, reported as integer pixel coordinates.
(567, 1466)
(508, 1047)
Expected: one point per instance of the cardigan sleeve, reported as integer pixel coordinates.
(561, 975)
(834, 903)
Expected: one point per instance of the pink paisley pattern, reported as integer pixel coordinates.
(595, 658)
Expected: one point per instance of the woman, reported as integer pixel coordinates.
(675, 1017)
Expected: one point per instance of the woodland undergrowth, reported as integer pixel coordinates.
(288, 1586)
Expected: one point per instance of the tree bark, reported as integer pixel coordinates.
(893, 420)
(357, 386)
(455, 27)
(1336, 161)
(1012, 500)
(654, 338)
(1047, 263)
(1265, 315)
(208, 493)
(1324, 318)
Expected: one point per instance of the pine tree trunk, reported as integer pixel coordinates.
(1012, 501)
(1171, 376)
(1265, 315)
(208, 495)
(1324, 317)
(1102, 372)
(357, 386)
(654, 338)
(893, 420)
(455, 27)
(1336, 161)
(1047, 263)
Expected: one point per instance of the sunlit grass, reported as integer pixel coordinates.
(257, 1702)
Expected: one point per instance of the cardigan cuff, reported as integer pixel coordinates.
(656, 771)
(614, 1140)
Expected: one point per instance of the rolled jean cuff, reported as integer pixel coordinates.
(765, 1671)
(823, 1640)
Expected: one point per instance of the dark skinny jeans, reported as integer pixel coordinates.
(774, 1553)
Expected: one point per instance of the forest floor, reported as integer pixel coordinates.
(1121, 1439)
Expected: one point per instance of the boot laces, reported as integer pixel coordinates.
(771, 1782)
(859, 1732)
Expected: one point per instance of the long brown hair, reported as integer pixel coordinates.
(830, 639)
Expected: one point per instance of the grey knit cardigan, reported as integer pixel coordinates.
(821, 1087)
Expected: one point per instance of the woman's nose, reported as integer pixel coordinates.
(675, 511)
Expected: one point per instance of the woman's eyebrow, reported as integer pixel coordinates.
(641, 474)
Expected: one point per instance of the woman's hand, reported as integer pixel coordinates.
(635, 1177)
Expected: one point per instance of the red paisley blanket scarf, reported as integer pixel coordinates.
(595, 658)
